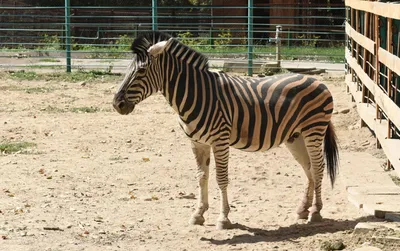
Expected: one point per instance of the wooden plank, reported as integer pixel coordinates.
(365, 42)
(382, 200)
(389, 10)
(375, 190)
(390, 60)
(367, 113)
(381, 99)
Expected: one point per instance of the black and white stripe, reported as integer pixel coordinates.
(217, 111)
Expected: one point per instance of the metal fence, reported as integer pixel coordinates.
(98, 37)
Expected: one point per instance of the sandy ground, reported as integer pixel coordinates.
(102, 181)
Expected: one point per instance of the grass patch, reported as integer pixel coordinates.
(85, 109)
(44, 66)
(73, 77)
(50, 60)
(53, 109)
(395, 179)
(14, 147)
(38, 90)
(24, 75)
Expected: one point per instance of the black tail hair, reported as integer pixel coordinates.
(331, 153)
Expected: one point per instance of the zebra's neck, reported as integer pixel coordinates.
(187, 89)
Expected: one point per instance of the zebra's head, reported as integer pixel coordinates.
(141, 79)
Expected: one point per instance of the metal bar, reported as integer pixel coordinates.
(68, 34)
(154, 15)
(250, 38)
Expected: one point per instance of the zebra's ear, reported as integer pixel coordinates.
(158, 48)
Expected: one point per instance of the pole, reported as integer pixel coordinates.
(250, 38)
(278, 45)
(154, 15)
(68, 34)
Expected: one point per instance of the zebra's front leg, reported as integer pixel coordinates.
(202, 155)
(221, 155)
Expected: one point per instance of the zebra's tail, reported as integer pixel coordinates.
(331, 152)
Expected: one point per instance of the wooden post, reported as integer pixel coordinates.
(377, 69)
(389, 48)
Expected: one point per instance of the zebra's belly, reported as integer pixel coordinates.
(259, 140)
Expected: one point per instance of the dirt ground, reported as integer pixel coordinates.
(102, 181)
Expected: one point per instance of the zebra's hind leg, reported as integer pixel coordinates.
(221, 155)
(202, 155)
(314, 144)
(298, 149)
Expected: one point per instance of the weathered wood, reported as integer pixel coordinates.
(367, 113)
(390, 60)
(360, 39)
(389, 10)
(381, 99)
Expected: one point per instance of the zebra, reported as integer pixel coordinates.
(218, 111)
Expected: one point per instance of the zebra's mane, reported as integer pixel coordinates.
(143, 42)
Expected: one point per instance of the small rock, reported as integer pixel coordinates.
(173, 130)
(335, 112)
(83, 83)
(334, 245)
(344, 111)
(129, 141)
(354, 106)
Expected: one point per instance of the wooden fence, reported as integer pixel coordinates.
(373, 69)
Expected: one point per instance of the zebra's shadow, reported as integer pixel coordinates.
(289, 233)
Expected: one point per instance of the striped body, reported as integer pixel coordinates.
(217, 111)
(257, 113)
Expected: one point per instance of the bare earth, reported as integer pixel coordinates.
(102, 181)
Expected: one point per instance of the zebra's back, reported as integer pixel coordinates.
(265, 112)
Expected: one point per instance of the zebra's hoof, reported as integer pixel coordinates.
(224, 224)
(196, 220)
(314, 217)
(303, 215)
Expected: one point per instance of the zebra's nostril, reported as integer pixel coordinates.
(121, 105)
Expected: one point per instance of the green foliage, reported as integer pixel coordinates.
(14, 147)
(307, 40)
(225, 37)
(189, 39)
(51, 42)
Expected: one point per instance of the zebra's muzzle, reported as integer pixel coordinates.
(121, 105)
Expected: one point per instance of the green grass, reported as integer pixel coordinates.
(50, 60)
(332, 54)
(13, 147)
(24, 75)
(85, 109)
(44, 66)
(75, 76)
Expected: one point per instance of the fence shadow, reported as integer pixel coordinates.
(289, 233)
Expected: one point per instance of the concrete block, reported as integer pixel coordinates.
(393, 217)
(380, 210)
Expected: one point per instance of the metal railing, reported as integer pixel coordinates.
(99, 37)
